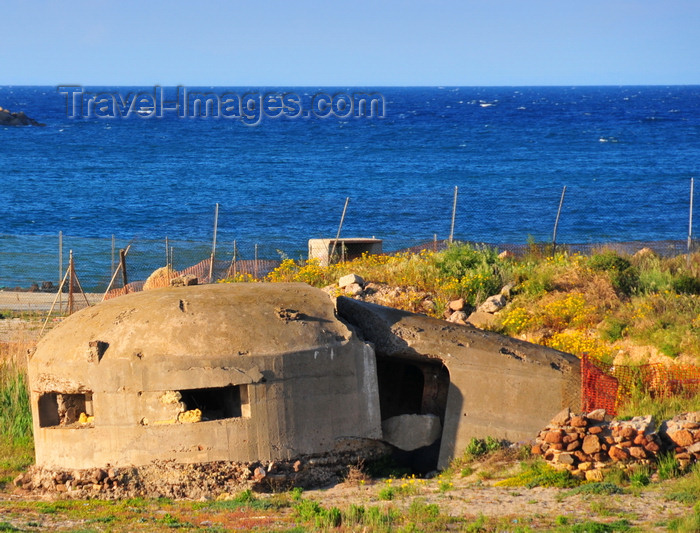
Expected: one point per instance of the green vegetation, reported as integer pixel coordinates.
(601, 305)
(479, 447)
(641, 402)
(16, 445)
(537, 473)
(602, 487)
(668, 467)
(596, 304)
(687, 488)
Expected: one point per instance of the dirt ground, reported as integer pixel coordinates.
(463, 497)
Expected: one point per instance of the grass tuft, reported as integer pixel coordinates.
(539, 474)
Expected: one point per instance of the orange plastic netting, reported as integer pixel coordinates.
(605, 386)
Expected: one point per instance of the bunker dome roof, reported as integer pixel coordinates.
(212, 321)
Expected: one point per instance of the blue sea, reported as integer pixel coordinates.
(625, 154)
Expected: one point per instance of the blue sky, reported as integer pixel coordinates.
(352, 43)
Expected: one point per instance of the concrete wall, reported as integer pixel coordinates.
(499, 387)
(306, 382)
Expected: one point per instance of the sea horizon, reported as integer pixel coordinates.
(626, 155)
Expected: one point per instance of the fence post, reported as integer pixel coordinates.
(70, 283)
(690, 220)
(122, 264)
(60, 270)
(454, 213)
(230, 271)
(256, 261)
(213, 246)
(337, 235)
(556, 222)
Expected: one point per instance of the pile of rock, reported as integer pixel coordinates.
(484, 316)
(683, 434)
(355, 287)
(457, 311)
(588, 445)
(352, 284)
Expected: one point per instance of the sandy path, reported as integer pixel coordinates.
(41, 301)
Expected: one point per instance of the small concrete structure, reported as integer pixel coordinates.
(266, 372)
(236, 372)
(348, 249)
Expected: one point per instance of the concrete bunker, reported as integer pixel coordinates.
(240, 372)
(275, 372)
(478, 383)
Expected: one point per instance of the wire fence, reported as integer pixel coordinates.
(33, 267)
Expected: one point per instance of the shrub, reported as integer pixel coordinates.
(601, 487)
(459, 259)
(607, 261)
(471, 273)
(623, 276)
(328, 518)
(479, 447)
(613, 329)
(307, 510)
(685, 284)
(387, 493)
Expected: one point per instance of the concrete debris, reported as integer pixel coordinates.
(493, 304)
(410, 432)
(350, 279)
(481, 319)
(458, 317)
(353, 289)
(212, 480)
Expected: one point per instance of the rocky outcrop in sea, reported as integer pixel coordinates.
(8, 118)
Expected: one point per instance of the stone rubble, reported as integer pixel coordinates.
(457, 311)
(169, 479)
(590, 444)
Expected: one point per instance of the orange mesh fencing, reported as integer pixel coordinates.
(598, 389)
(606, 386)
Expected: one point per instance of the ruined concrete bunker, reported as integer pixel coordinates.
(265, 372)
